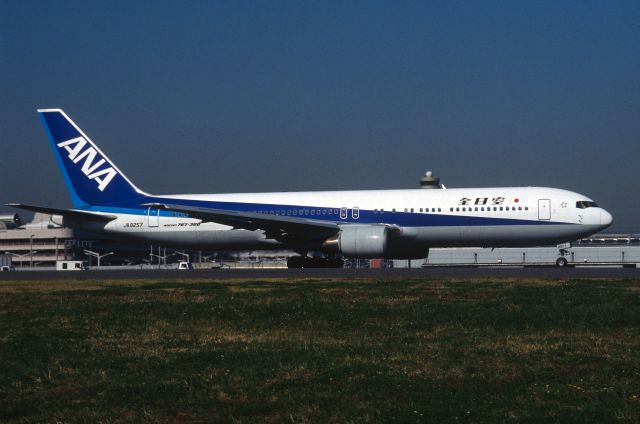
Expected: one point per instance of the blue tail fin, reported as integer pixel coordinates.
(91, 178)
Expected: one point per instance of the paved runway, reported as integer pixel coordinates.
(413, 273)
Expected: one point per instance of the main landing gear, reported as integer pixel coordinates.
(307, 262)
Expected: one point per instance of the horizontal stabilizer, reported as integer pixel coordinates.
(67, 213)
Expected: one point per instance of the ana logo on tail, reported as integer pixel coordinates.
(77, 151)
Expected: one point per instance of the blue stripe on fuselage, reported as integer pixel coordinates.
(403, 219)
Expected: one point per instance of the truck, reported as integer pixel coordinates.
(6, 263)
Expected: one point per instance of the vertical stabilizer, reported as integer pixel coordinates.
(91, 178)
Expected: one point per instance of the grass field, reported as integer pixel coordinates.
(320, 351)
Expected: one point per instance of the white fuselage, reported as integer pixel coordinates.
(491, 217)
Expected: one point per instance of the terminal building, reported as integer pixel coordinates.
(41, 243)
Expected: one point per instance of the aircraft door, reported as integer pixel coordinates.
(153, 217)
(544, 209)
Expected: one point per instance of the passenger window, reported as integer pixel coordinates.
(355, 213)
(343, 213)
(421, 210)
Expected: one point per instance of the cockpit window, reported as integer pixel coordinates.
(584, 204)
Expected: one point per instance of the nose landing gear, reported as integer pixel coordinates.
(562, 261)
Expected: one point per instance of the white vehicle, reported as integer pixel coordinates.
(185, 265)
(400, 224)
(70, 266)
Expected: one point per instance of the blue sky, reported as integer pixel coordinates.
(236, 96)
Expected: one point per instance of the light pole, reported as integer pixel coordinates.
(97, 255)
(21, 256)
(206, 258)
(31, 250)
(160, 258)
(183, 254)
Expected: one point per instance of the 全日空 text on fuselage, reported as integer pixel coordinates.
(367, 223)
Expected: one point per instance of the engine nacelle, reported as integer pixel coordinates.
(374, 241)
(10, 221)
(363, 242)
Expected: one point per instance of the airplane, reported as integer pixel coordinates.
(322, 226)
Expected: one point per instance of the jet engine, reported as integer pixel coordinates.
(374, 241)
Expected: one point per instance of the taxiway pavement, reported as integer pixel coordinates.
(392, 273)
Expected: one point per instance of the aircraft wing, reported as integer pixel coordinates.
(67, 213)
(278, 227)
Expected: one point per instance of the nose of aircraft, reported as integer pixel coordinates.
(605, 218)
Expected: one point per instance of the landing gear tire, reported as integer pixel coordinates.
(561, 262)
(297, 262)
